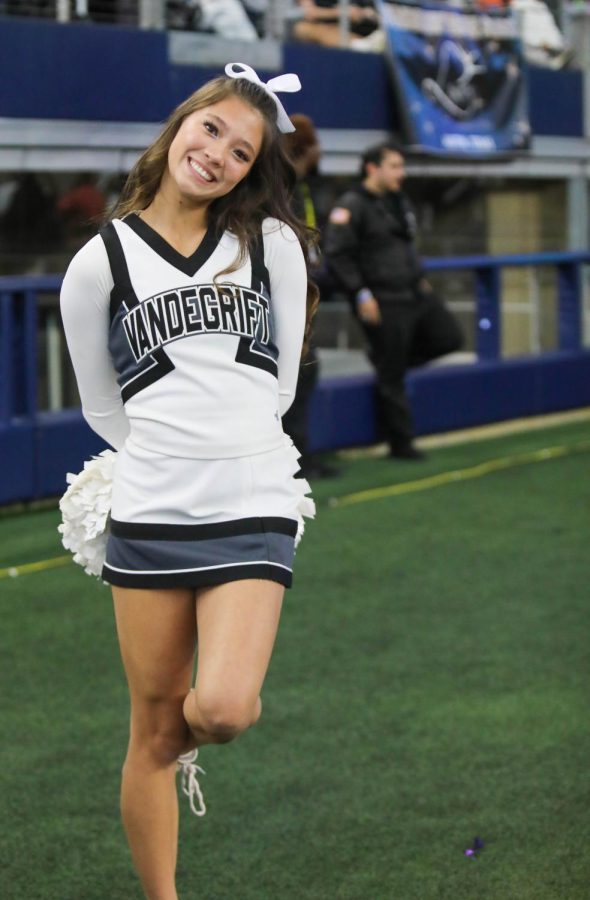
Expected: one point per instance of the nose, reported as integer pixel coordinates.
(214, 154)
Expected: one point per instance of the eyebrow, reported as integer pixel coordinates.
(240, 140)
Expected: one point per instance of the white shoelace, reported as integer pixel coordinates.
(189, 781)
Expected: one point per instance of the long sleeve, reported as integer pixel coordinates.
(342, 243)
(288, 285)
(84, 302)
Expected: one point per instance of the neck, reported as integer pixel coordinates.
(174, 214)
(181, 225)
(370, 185)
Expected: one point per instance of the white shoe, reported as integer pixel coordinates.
(188, 779)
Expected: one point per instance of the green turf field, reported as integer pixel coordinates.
(429, 685)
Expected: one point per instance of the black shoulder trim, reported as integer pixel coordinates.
(122, 291)
(260, 274)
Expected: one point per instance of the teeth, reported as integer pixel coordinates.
(200, 171)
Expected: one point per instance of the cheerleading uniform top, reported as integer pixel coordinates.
(185, 360)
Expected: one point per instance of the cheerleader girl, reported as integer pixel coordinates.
(185, 319)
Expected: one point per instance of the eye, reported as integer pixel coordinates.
(241, 154)
(210, 127)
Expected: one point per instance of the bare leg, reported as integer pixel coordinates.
(237, 625)
(157, 635)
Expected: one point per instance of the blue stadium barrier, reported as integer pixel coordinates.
(38, 447)
(94, 62)
(492, 390)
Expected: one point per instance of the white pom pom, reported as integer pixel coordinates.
(85, 508)
(305, 509)
(305, 505)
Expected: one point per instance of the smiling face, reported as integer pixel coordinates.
(213, 150)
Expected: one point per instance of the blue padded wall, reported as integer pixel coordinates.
(556, 102)
(57, 71)
(449, 398)
(17, 452)
(53, 71)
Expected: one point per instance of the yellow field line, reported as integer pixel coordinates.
(485, 468)
(40, 566)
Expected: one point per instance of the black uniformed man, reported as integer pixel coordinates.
(369, 246)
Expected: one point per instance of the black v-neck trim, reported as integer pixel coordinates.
(190, 265)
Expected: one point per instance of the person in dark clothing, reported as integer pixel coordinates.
(30, 224)
(370, 249)
(303, 149)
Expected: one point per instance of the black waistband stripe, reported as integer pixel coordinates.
(147, 531)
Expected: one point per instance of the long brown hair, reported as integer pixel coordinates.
(265, 191)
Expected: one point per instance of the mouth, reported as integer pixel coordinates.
(201, 171)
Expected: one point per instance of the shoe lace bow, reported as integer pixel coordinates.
(189, 770)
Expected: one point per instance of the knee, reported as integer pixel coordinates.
(159, 732)
(165, 745)
(223, 717)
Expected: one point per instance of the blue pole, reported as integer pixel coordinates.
(569, 298)
(6, 373)
(488, 319)
(30, 352)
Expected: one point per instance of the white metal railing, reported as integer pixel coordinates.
(55, 355)
(552, 33)
(157, 14)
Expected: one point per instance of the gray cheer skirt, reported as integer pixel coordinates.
(178, 522)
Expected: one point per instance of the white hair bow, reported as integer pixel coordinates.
(288, 82)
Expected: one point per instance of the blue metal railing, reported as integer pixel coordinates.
(488, 293)
(19, 343)
(37, 447)
(19, 294)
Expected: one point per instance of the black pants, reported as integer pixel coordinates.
(410, 334)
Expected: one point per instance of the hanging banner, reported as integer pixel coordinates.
(459, 77)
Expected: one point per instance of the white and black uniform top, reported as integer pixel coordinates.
(203, 367)
(182, 368)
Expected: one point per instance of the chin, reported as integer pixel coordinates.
(199, 192)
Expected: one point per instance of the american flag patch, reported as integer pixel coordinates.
(340, 215)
